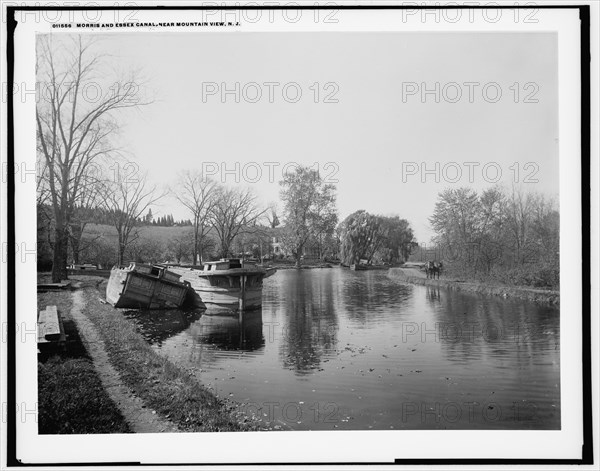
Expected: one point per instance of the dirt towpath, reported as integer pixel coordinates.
(138, 416)
(418, 277)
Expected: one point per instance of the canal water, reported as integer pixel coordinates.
(336, 349)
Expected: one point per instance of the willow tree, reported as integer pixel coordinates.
(360, 237)
(75, 118)
(396, 239)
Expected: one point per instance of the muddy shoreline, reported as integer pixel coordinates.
(416, 277)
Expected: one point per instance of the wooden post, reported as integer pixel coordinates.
(242, 298)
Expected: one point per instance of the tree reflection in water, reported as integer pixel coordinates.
(371, 344)
(221, 329)
(310, 319)
(370, 293)
(225, 331)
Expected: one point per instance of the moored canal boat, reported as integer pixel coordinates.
(231, 284)
(362, 267)
(141, 286)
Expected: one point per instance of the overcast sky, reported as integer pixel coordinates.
(371, 134)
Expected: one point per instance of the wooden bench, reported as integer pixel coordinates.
(43, 287)
(50, 327)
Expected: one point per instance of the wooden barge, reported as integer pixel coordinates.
(141, 286)
(230, 284)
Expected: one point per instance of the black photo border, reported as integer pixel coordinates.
(585, 59)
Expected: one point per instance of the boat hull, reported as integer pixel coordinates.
(128, 288)
(230, 298)
(361, 267)
(237, 289)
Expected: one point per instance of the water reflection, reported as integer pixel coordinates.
(229, 332)
(309, 320)
(158, 326)
(369, 293)
(433, 294)
(357, 350)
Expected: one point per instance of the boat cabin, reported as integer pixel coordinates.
(141, 286)
(225, 264)
(154, 270)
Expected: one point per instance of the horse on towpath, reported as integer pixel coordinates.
(432, 269)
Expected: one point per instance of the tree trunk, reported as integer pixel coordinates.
(196, 244)
(121, 255)
(198, 252)
(75, 249)
(121, 250)
(224, 249)
(59, 258)
(75, 238)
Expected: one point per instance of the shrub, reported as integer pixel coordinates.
(537, 276)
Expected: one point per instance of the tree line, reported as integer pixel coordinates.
(76, 188)
(511, 235)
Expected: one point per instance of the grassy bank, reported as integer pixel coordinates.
(71, 398)
(414, 276)
(170, 390)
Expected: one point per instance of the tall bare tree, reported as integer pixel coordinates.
(74, 124)
(235, 212)
(197, 194)
(126, 202)
(84, 213)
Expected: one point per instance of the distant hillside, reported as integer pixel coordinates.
(159, 233)
(147, 244)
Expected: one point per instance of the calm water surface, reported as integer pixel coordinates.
(336, 349)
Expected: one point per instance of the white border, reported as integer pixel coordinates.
(339, 446)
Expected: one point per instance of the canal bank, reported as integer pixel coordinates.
(417, 277)
(71, 396)
(152, 393)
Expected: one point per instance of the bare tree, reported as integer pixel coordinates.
(84, 212)
(44, 213)
(520, 208)
(235, 212)
(125, 202)
(180, 246)
(196, 193)
(73, 129)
